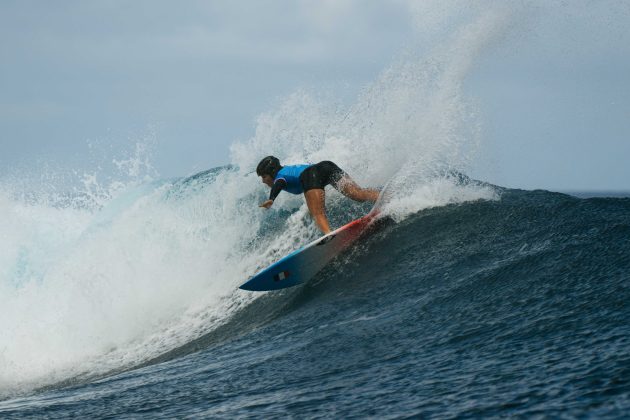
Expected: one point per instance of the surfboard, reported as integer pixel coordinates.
(304, 263)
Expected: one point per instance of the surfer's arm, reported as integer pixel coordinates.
(278, 186)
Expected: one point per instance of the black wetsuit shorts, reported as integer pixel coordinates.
(321, 174)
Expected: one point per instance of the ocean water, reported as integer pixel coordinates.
(510, 306)
(119, 290)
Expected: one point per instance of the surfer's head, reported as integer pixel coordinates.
(268, 168)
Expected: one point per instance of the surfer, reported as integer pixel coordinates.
(310, 180)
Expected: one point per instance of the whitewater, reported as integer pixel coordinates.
(120, 296)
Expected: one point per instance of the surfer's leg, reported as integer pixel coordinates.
(332, 174)
(315, 200)
(351, 189)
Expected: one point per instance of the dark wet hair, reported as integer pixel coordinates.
(269, 166)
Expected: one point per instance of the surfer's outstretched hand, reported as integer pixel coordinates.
(267, 204)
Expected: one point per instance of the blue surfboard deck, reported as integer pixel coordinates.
(302, 264)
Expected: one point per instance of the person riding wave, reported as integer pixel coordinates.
(311, 181)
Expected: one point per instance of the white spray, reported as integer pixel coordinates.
(148, 266)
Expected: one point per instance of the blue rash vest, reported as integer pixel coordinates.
(291, 175)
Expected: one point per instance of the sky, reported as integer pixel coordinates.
(79, 80)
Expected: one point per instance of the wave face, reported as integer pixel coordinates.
(514, 306)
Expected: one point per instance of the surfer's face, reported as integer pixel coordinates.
(267, 180)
